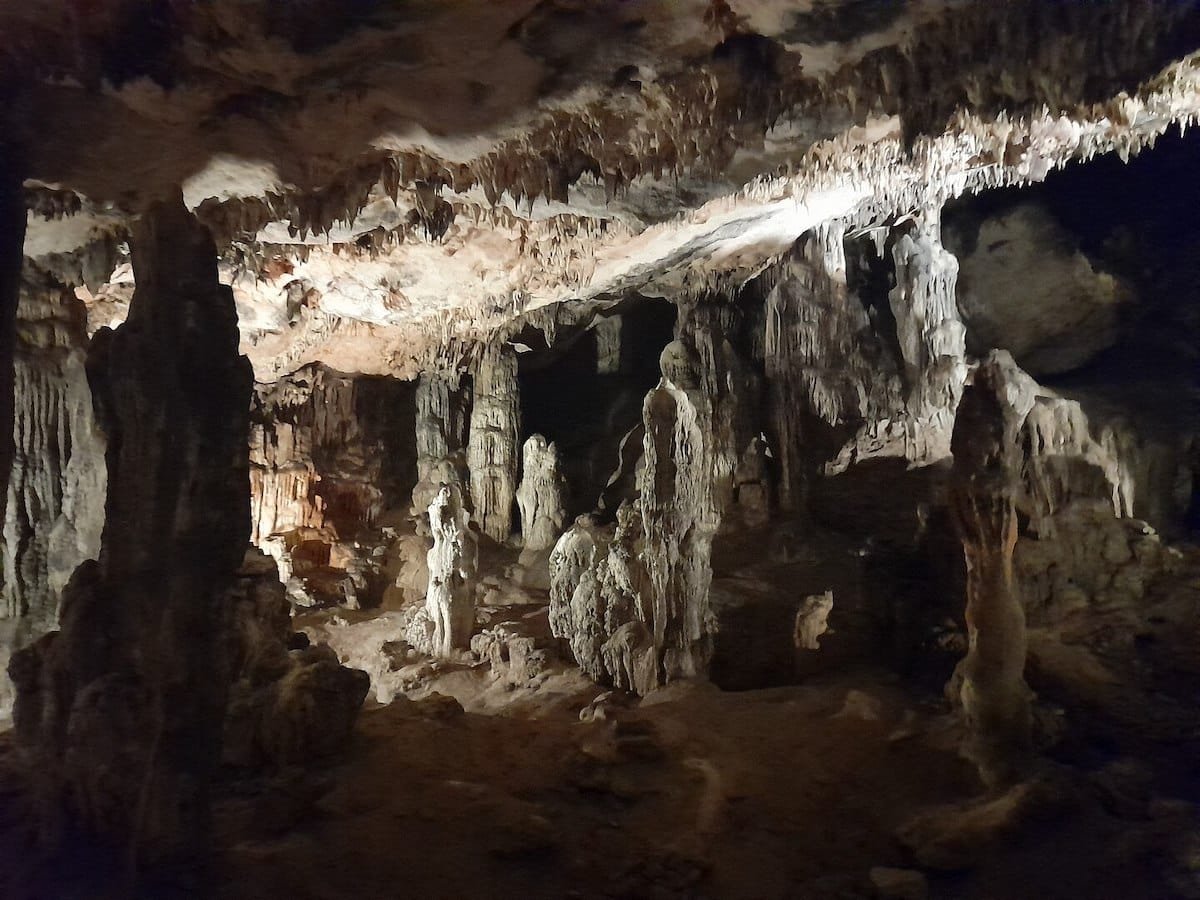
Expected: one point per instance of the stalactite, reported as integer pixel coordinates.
(492, 441)
(122, 709)
(931, 334)
(985, 485)
(540, 496)
(55, 505)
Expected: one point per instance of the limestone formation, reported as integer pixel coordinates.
(122, 709)
(440, 435)
(492, 441)
(608, 345)
(448, 619)
(985, 485)
(540, 496)
(55, 508)
(931, 336)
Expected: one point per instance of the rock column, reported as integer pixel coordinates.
(492, 442)
(440, 424)
(985, 486)
(12, 242)
(120, 712)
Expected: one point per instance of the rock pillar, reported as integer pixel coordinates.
(120, 712)
(540, 496)
(985, 486)
(492, 441)
(450, 600)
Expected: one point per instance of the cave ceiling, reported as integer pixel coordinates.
(390, 182)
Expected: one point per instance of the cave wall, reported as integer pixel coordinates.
(55, 505)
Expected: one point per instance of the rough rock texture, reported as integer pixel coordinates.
(493, 439)
(12, 227)
(632, 600)
(329, 451)
(842, 390)
(449, 614)
(540, 496)
(55, 506)
(286, 706)
(931, 336)
(121, 711)
(441, 437)
(985, 482)
(1065, 311)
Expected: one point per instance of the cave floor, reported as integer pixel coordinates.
(794, 792)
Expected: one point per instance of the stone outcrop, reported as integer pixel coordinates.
(12, 229)
(55, 506)
(493, 439)
(288, 705)
(985, 485)
(540, 496)
(120, 712)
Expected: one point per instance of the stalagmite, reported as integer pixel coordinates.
(679, 516)
(446, 622)
(492, 441)
(55, 506)
(121, 711)
(985, 485)
(540, 496)
(633, 601)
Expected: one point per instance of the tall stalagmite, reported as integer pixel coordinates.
(986, 483)
(55, 505)
(540, 496)
(492, 441)
(450, 601)
(120, 712)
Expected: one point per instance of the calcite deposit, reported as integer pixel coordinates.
(715, 448)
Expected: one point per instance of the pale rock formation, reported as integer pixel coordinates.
(448, 618)
(632, 602)
(985, 484)
(440, 434)
(540, 496)
(492, 441)
(812, 620)
(1063, 311)
(931, 335)
(121, 710)
(55, 508)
